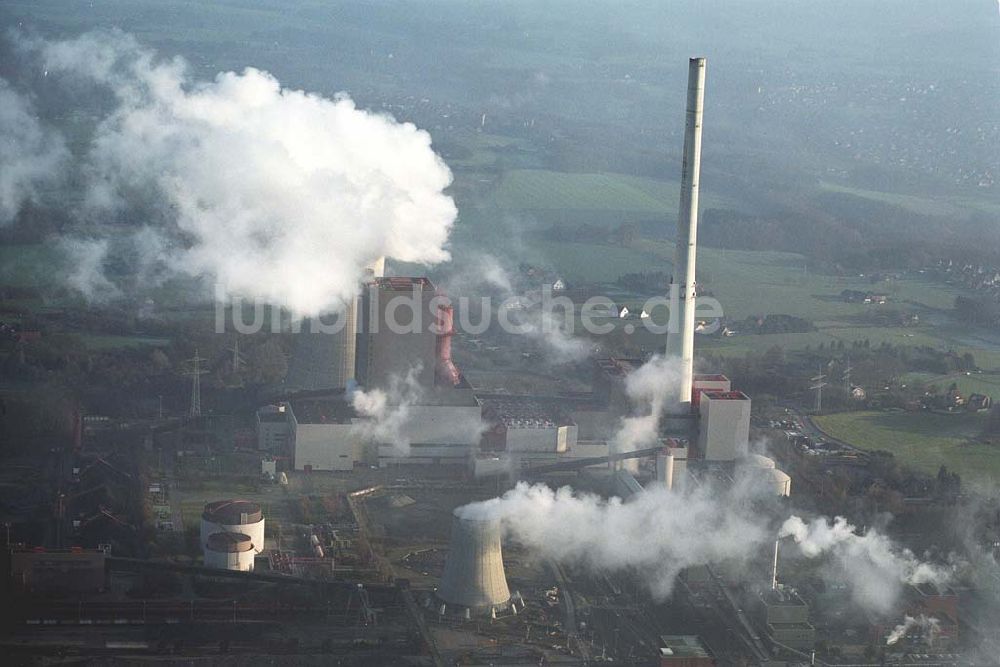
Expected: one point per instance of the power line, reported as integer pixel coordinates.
(195, 371)
(818, 383)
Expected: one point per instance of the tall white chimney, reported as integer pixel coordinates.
(681, 344)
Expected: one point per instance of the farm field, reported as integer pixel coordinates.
(746, 282)
(974, 383)
(100, 342)
(923, 441)
(948, 206)
(605, 199)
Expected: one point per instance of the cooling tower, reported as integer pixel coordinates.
(473, 578)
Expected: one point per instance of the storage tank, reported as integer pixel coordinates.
(474, 578)
(759, 461)
(780, 482)
(233, 516)
(229, 551)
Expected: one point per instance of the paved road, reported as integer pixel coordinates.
(811, 429)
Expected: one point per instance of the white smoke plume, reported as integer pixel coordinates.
(86, 259)
(648, 388)
(930, 628)
(278, 195)
(390, 417)
(548, 327)
(657, 534)
(31, 155)
(388, 411)
(874, 567)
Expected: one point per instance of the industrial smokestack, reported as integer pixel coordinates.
(681, 344)
(774, 567)
(474, 578)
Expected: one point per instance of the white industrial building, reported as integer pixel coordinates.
(724, 430)
(443, 428)
(326, 434)
(525, 426)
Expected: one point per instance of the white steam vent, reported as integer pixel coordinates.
(474, 578)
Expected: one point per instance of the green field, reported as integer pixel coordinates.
(30, 265)
(921, 440)
(542, 189)
(103, 342)
(974, 383)
(942, 206)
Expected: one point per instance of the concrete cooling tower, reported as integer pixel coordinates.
(474, 582)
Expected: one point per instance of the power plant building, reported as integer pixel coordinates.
(398, 337)
(712, 382)
(274, 429)
(724, 429)
(520, 426)
(443, 427)
(233, 516)
(325, 434)
(325, 354)
(784, 616)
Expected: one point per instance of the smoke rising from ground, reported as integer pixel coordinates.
(872, 564)
(278, 195)
(657, 534)
(648, 389)
(31, 155)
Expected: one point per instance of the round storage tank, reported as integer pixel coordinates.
(230, 551)
(780, 482)
(233, 516)
(759, 461)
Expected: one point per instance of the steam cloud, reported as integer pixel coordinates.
(874, 567)
(388, 412)
(657, 535)
(391, 420)
(660, 532)
(544, 327)
(647, 388)
(278, 195)
(30, 155)
(930, 628)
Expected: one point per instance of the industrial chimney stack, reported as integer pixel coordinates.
(681, 344)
